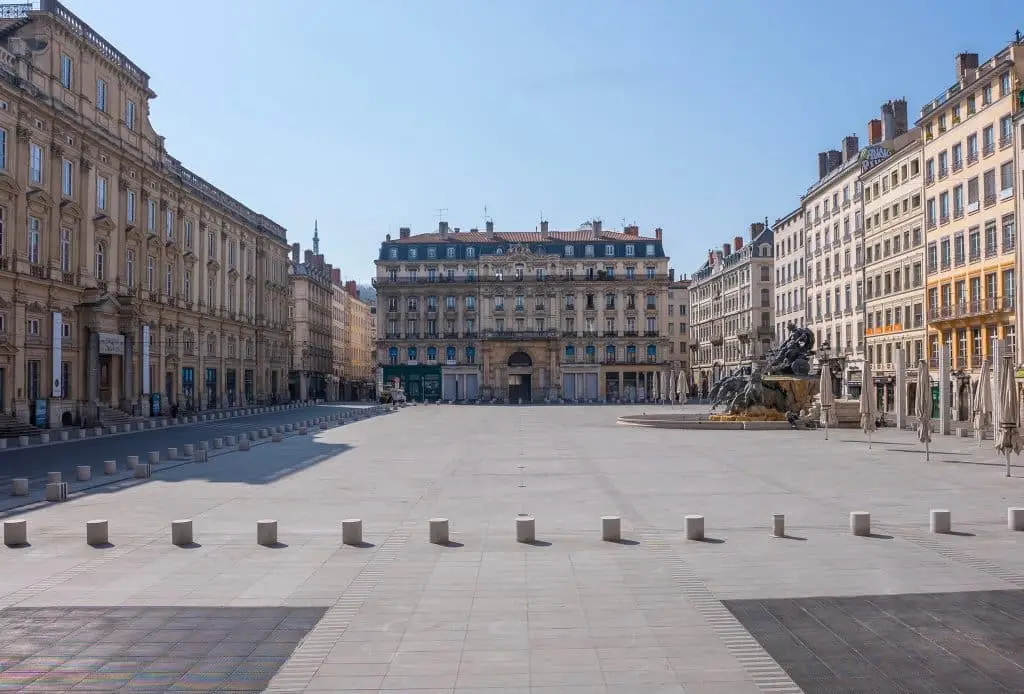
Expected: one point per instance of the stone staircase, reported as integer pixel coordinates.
(110, 416)
(11, 428)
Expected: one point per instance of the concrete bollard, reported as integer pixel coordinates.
(352, 531)
(97, 533)
(44, 437)
(82, 433)
(278, 438)
(19, 486)
(526, 529)
(244, 436)
(266, 532)
(303, 431)
(172, 453)
(16, 533)
(153, 457)
(288, 428)
(109, 467)
(83, 472)
(201, 456)
(112, 429)
(151, 424)
(126, 428)
(218, 442)
(611, 528)
(231, 441)
(22, 441)
(693, 526)
(439, 531)
(254, 434)
(1015, 519)
(190, 449)
(52, 477)
(940, 521)
(65, 435)
(778, 525)
(131, 462)
(264, 433)
(243, 445)
(98, 431)
(57, 491)
(860, 523)
(143, 471)
(204, 445)
(141, 426)
(181, 533)
(163, 423)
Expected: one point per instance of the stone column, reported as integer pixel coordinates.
(92, 367)
(128, 363)
(945, 423)
(997, 367)
(900, 400)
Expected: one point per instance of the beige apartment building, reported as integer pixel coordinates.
(126, 280)
(679, 346)
(894, 278)
(310, 307)
(360, 348)
(790, 265)
(339, 330)
(731, 307)
(524, 316)
(969, 214)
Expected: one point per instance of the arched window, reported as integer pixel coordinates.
(471, 355)
(450, 353)
(652, 352)
(393, 355)
(609, 353)
(100, 262)
(431, 353)
(411, 353)
(631, 354)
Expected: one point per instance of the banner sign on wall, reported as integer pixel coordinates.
(145, 360)
(58, 356)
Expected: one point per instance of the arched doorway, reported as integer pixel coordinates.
(520, 376)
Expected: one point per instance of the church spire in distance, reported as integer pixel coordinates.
(316, 239)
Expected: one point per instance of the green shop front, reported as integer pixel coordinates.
(421, 383)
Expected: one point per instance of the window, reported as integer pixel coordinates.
(34, 240)
(129, 114)
(431, 252)
(569, 251)
(33, 326)
(101, 94)
(630, 250)
(392, 254)
(188, 234)
(650, 250)
(130, 206)
(66, 71)
(211, 293)
(101, 192)
(470, 252)
(169, 280)
(211, 245)
(67, 171)
(100, 261)
(129, 266)
(65, 250)
(609, 250)
(151, 215)
(169, 224)
(411, 254)
(35, 163)
(150, 272)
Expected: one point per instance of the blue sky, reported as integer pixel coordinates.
(698, 117)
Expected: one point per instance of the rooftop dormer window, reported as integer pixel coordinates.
(411, 255)
(393, 253)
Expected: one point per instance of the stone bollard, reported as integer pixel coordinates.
(611, 528)
(266, 533)
(44, 437)
(264, 433)
(141, 426)
(52, 477)
(172, 453)
(201, 456)
(97, 533)
(109, 467)
(16, 533)
(131, 462)
(940, 521)
(84, 473)
(278, 438)
(860, 523)
(190, 449)
(82, 433)
(151, 424)
(693, 526)
(778, 525)
(254, 434)
(526, 529)
(288, 428)
(19, 486)
(204, 445)
(352, 531)
(218, 442)
(302, 431)
(126, 428)
(244, 436)
(98, 431)
(154, 457)
(181, 533)
(230, 441)
(57, 491)
(143, 471)
(65, 435)
(1015, 519)
(112, 429)
(439, 531)
(22, 441)
(243, 445)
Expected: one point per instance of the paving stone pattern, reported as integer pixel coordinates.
(147, 649)
(933, 643)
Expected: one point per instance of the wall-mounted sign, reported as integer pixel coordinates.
(111, 343)
(872, 156)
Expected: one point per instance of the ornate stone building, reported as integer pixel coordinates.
(529, 316)
(123, 275)
(311, 305)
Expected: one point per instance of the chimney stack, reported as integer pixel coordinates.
(874, 131)
(544, 228)
(308, 256)
(737, 243)
(850, 148)
(404, 232)
(755, 229)
(671, 275)
(336, 275)
(631, 230)
(596, 226)
(295, 252)
(657, 233)
(894, 119)
(965, 63)
(442, 228)
(490, 227)
(726, 249)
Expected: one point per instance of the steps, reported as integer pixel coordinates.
(110, 416)
(11, 428)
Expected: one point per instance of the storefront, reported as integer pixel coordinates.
(421, 383)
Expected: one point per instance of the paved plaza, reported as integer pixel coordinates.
(819, 610)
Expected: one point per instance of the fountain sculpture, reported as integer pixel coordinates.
(776, 389)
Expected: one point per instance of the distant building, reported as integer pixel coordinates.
(311, 304)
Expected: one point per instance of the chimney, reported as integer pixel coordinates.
(474, 230)
(657, 233)
(737, 243)
(850, 148)
(822, 165)
(308, 256)
(755, 229)
(726, 249)
(404, 232)
(965, 63)
(352, 289)
(387, 237)
(671, 275)
(320, 259)
(295, 252)
(596, 226)
(894, 119)
(631, 230)
(490, 227)
(874, 131)
(544, 228)
(442, 228)
(336, 276)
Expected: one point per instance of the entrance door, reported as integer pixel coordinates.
(105, 367)
(519, 388)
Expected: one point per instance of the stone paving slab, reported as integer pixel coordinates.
(566, 613)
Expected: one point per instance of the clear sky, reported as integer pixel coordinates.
(698, 117)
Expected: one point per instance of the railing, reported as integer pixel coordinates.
(520, 334)
(969, 309)
(492, 279)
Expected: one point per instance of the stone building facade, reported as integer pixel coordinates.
(123, 275)
(679, 345)
(731, 307)
(531, 316)
(311, 305)
(790, 273)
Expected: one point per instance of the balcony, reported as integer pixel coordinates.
(971, 309)
(519, 335)
(972, 158)
(379, 282)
